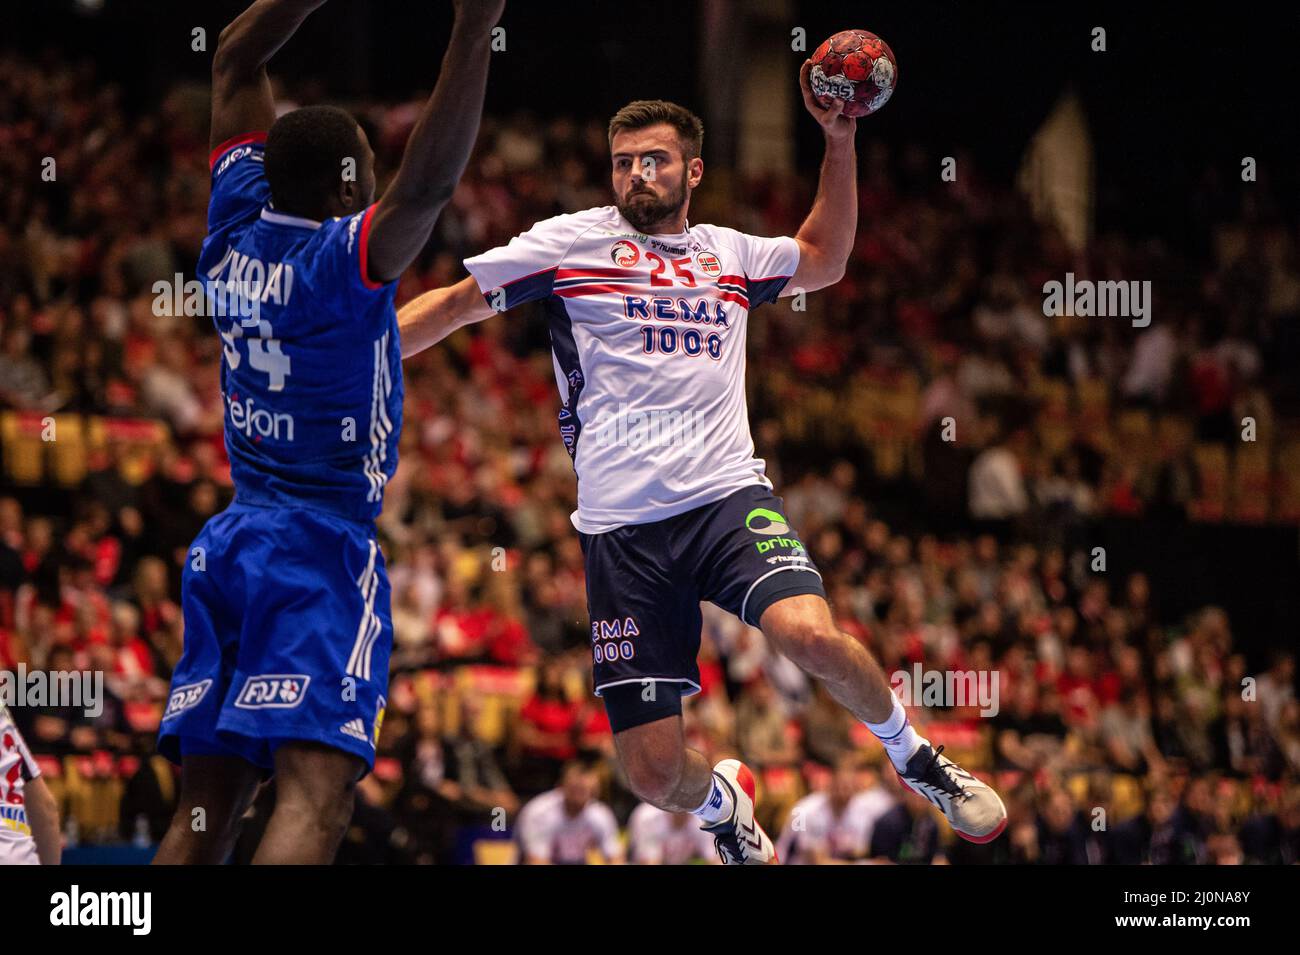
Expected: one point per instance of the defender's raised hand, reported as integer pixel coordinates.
(241, 91)
(439, 146)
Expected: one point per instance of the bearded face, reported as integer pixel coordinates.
(652, 178)
(648, 204)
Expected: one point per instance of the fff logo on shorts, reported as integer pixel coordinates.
(273, 691)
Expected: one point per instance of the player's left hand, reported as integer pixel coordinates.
(837, 127)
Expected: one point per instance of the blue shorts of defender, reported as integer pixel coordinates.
(287, 637)
(645, 583)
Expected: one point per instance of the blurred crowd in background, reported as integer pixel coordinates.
(939, 443)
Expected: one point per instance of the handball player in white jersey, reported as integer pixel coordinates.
(647, 314)
(29, 816)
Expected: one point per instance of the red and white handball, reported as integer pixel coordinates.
(857, 67)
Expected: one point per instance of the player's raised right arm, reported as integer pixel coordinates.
(428, 319)
(439, 145)
(241, 90)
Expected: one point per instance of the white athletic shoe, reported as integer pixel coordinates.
(740, 840)
(972, 808)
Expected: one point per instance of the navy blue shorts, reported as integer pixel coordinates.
(287, 637)
(645, 583)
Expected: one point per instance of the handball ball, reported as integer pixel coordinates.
(857, 67)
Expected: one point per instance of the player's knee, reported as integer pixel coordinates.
(652, 777)
(327, 802)
(317, 782)
(205, 817)
(813, 644)
(214, 797)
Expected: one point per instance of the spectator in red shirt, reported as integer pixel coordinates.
(507, 638)
(547, 731)
(1078, 689)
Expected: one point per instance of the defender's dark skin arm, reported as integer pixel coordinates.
(439, 146)
(241, 89)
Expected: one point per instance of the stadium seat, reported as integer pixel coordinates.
(1212, 473)
(68, 453)
(1094, 404)
(495, 852)
(1252, 480)
(1288, 483)
(24, 451)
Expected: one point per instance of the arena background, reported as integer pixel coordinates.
(1123, 164)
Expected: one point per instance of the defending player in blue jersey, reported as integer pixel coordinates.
(287, 629)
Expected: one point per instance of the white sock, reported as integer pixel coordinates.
(718, 804)
(897, 736)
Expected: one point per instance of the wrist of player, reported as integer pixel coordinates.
(839, 138)
(477, 16)
(473, 23)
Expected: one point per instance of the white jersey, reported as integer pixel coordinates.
(648, 343)
(548, 833)
(815, 829)
(657, 837)
(17, 847)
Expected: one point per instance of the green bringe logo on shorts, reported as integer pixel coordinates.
(776, 523)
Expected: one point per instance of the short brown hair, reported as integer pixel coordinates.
(652, 112)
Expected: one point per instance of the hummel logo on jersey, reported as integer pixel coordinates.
(273, 691)
(665, 247)
(356, 729)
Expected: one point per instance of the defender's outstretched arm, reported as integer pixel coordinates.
(241, 90)
(431, 317)
(439, 146)
(826, 236)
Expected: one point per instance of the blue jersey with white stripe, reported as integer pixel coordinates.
(311, 375)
